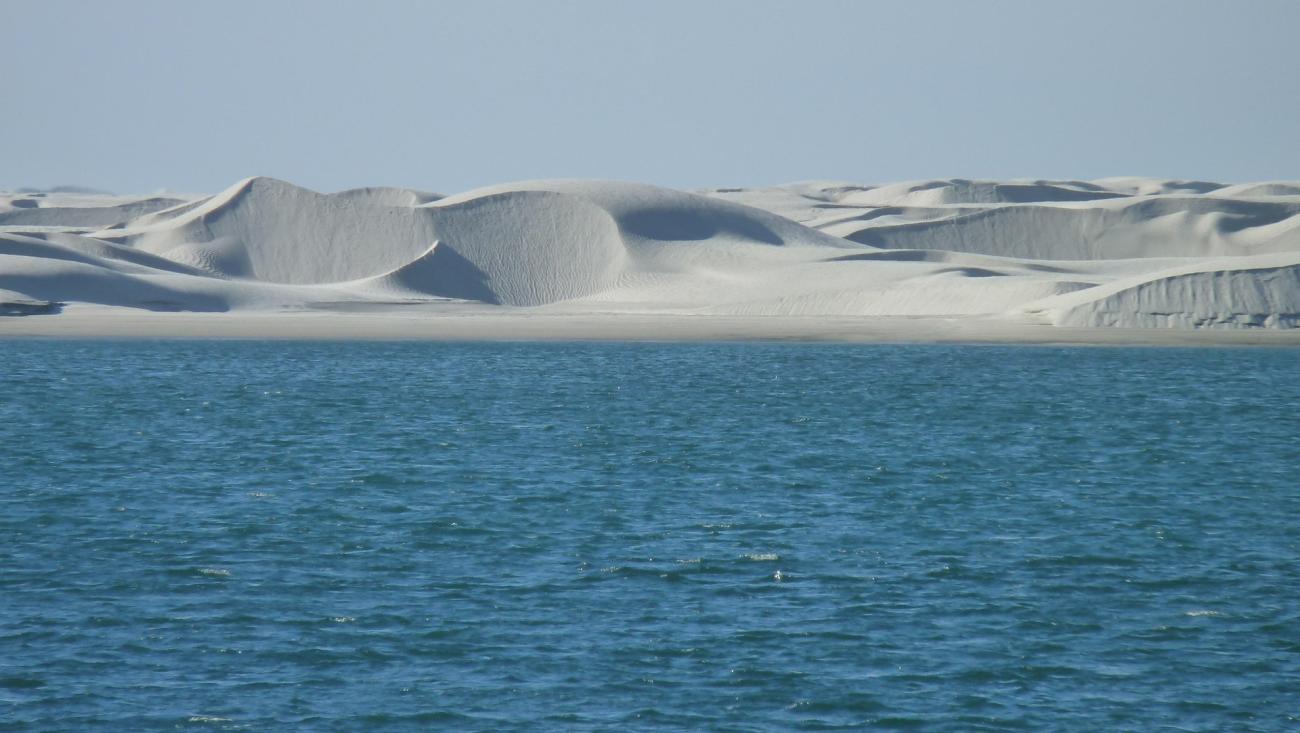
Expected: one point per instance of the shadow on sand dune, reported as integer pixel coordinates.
(444, 272)
(31, 308)
(693, 226)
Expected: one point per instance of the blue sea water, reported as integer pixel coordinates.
(568, 537)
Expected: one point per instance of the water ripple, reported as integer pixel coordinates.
(516, 537)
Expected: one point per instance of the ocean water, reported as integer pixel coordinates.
(566, 537)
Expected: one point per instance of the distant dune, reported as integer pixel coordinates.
(1116, 253)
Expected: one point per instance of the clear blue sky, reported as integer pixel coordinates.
(446, 96)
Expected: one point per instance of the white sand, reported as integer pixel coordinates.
(1110, 261)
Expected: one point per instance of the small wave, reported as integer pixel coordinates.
(853, 702)
(1203, 612)
(214, 572)
(763, 556)
(206, 719)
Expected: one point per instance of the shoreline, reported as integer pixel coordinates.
(474, 324)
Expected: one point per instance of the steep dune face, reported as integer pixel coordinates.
(1240, 292)
(519, 248)
(277, 232)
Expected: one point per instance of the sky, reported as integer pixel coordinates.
(134, 96)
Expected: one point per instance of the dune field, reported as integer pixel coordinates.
(1111, 260)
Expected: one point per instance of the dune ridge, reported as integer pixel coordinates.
(1117, 252)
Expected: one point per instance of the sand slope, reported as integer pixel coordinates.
(1246, 292)
(1121, 252)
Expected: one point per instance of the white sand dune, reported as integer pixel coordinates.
(1120, 252)
(77, 210)
(1250, 292)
